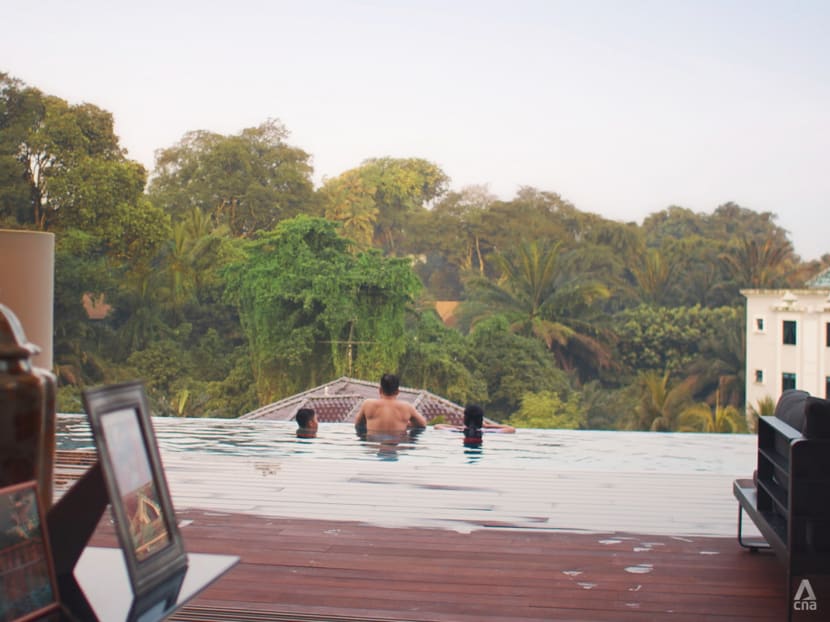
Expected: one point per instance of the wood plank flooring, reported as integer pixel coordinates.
(337, 570)
(347, 541)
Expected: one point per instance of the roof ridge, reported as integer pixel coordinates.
(348, 389)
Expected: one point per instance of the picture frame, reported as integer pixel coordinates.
(145, 522)
(28, 586)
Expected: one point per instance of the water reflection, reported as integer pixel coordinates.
(387, 446)
(473, 452)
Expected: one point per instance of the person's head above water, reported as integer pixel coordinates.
(389, 385)
(306, 422)
(473, 423)
(473, 416)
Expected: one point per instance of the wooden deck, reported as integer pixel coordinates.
(332, 570)
(493, 569)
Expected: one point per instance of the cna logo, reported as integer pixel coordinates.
(805, 597)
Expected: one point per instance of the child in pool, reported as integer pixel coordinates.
(306, 423)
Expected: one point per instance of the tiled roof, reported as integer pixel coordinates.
(339, 401)
(330, 409)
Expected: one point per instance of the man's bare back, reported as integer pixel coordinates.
(387, 415)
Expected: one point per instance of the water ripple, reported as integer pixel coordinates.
(560, 450)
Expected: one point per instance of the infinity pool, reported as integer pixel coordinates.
(559, 450)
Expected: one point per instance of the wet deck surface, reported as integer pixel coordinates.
(332, 540)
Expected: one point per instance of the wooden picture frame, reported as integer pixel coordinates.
(28, 587)
(145, 522)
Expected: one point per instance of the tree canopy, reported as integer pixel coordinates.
(249, 181)
(310, 308)
(230, 280)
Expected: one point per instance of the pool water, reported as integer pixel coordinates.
(559, 450)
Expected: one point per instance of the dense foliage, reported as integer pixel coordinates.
(312, 310)
(229, 281)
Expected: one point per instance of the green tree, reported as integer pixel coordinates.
(450, 241)
(661, 338)
(21, 108)
(700, 277)
(350, 200)
(731, 220)
(460, 215)
(533, 215)
(760, 264)
(606, 408)
(62, 170)
(543, 298)
(511, 365)
(764, 408)
(189, 258)
(249, 181)
(720, 364)
(403, 189)
(702, 417)
(310, 308)
(438, 359)
(76, 349)
(661, 402)
(138, 312)
(675, 223)
(612, 251)
(546, 410)
(716, 254)
(654, 276)
(61, 165)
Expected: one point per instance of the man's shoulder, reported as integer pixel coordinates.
(369, 404)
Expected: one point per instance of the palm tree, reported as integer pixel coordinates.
(144, 322)
(190, 255)
(654, 277)
(661, 404)
(541, 297)
(764, 408)
(703, 418)
(721, 365)
(760, 264)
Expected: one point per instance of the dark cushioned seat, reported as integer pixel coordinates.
(790, 408)
(816, 418)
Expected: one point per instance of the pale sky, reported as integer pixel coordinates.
(622, 107)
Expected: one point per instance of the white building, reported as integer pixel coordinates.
(788, 340)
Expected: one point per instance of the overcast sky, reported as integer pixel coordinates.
(622, 107)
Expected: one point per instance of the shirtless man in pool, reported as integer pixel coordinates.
(387, 415)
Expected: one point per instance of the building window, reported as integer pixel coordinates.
(827, 334)
(789, 332)
(827, 388)
(759, 324)
(759, 376)
(787, 381)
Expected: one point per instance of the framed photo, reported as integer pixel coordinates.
(28, 589)
(139, 497)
